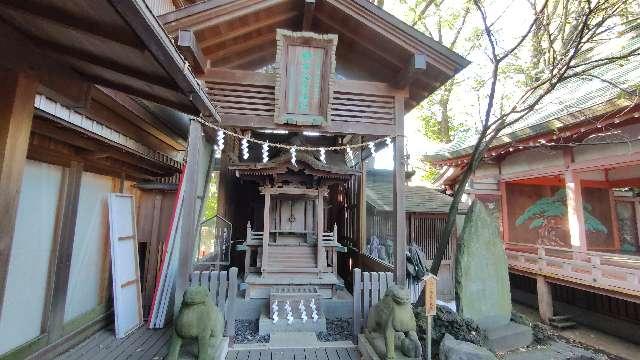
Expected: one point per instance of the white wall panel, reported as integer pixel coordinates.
(88, 261)
(25, 293)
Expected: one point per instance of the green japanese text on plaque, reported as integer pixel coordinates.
(304, 82)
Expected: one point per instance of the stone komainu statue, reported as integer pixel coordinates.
(391, 324)
(198, 319)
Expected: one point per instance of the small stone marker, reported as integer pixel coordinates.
(430, 306)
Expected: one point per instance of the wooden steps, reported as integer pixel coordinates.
(292, 258)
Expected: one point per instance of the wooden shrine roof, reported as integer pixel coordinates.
(116, 44)
(335, 166)
(373, 45)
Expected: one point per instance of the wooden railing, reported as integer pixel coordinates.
(614, 272)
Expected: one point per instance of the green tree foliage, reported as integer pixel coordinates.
(210, 206)
(556, 206)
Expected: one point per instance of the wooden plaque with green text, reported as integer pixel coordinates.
(305, 76)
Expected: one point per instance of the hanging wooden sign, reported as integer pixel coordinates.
(304, 78)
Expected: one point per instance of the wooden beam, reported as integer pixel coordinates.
(76, 56)
(189, 211)
(17, 95)
(399, 196)
(248, 28)
(139, 92)
(189, 48)
(153, 35)
(216, 12)
(216, 56)
(346, 32)
(149, 121)
(416, 66)
(336, 127)
(257, 57)
(307, 19)
(63, 248)
(97, 148)
(59, 17)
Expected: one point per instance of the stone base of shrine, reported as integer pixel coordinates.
(266, 325)
(259, 286)
(508, 337)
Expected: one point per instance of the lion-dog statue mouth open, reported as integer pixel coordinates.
(391, 325)
(198, 319)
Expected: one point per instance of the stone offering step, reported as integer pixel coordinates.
(563, 324)
(561, 318)
(562, 321)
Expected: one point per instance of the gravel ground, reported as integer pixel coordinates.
(337, 330)
(247, 332)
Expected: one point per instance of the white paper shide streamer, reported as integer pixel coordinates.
(293, 155)
(322, 156)
(220, 145)
(372, 147)
(265, 152)
(245, 148)
(350, 154)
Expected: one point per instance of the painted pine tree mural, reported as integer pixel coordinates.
(544, 216)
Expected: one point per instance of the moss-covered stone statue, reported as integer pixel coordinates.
(391, 327)
(198, 319)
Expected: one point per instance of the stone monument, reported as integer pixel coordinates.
(482, 281)
(391, 329)
(200, 321)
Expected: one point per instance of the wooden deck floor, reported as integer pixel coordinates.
(144, 344)
(147, 344)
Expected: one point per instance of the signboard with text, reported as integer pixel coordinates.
(304, 80)
(430, 294)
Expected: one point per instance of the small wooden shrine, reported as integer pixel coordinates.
(294, 246)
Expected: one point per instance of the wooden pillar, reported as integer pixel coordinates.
(189, 212)
(545, 299)
(362, 206)
(266, 220)
(614, 221)
(575, 211)
(504, 212)
(17, 96)
(322, 257)
(63, 248)
(399, 196)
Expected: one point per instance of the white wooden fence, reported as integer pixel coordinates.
(223, 287)
(368, 288)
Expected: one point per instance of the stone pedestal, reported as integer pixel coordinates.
(368, 345)
(266, 325)
(189, 350)
(290, 305)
